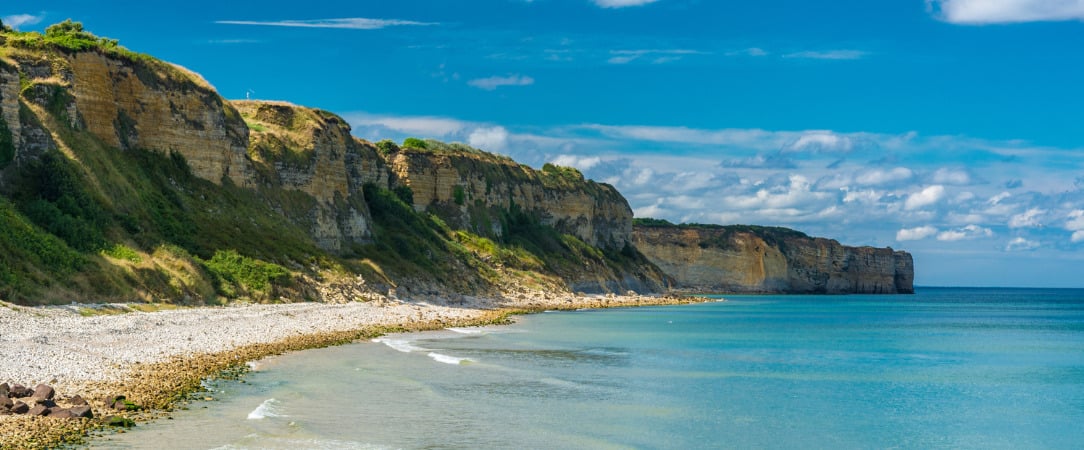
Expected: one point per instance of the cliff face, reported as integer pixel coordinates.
(312, 151)
(771, 260)
(158, 107)
(476, 191)
(106, 152)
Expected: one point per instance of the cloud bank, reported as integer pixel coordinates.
(981, 12)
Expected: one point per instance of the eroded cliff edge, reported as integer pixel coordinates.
(127, 178)
(750, 259)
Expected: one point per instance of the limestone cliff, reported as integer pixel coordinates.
(145, 104)
(476, 191)
(124, 177)
(771, 260)
(312, 151)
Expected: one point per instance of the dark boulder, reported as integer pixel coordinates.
(77, 401)
(5, 402)
(43, 392)
(20, 408)
(39, 410)
(4, 389)
(82, 411)
(20, 391)
(61, 413)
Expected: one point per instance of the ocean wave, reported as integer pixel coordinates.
(474, 330)
(269, 408)
(438, 357)
(401, 345)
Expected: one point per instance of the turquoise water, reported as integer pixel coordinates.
(945, 368)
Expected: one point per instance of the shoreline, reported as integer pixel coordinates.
(157, 359)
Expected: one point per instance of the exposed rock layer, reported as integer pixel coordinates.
(771, 260)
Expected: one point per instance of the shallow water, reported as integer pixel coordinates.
(959, 368)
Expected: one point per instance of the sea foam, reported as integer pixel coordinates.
(269, 408)
(448, 359)
(402, 345)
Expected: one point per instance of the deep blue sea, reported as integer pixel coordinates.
(944, 368)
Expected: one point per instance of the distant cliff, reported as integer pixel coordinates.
(750, 259)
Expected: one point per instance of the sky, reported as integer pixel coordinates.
(953, 129)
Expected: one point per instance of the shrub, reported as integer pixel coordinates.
(386, 147)
(459, 195)
(252, 274)
(405, 193)
(415, 143)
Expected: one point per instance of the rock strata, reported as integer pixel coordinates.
(745, 259)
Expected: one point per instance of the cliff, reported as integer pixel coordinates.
(127, 178)
(747, 259)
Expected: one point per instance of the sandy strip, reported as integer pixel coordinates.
(155, 358)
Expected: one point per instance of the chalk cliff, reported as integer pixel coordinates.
(771, 260)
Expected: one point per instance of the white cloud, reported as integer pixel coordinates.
(751, 51)
(1021, 244)
(828, 54)
(353, 23)
(17, 20)
(1078, 236)
(1028, 219)
(659, 56)
(951, 176)
(495, 82)
(878, 176)
(822, 140)
(925, 197)
(489, 138)
(621, 3)
(980, 12)
(579, 162)
(420, 125)
(968, 232)
(915, 234)
(1076, 220)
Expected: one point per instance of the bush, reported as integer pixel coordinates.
(415, 143)
(405, 193)
(386, 147)
(252, 274)
(459, 195)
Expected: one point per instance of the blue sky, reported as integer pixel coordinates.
(953, 129)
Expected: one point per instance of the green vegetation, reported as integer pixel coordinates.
(251, 275)
(459, 195)
(387, 147)
(123, 252)
(254, 126)
(414, 143)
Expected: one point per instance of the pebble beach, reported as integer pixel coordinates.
(155, 358)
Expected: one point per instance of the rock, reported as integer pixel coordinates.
(77, 401)
(5, 402)
(118, 421)
(39, 410)
(47, 403)
(5, 389)
(20, 408)
(61, 413)
(743, 259)
(82, 411)
(43, 392)
(20, 391)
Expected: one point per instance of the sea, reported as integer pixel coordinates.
(944, 368)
